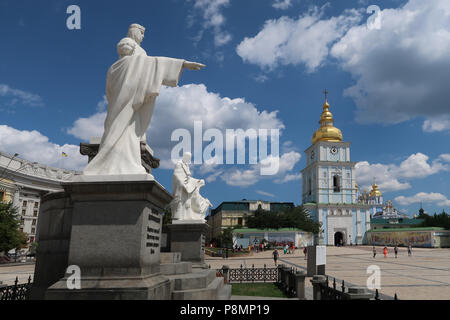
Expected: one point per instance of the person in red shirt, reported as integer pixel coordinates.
(385, 252)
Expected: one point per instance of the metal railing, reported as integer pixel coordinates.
(16, 291)
(288, 280)
(341, 292)
(251, 274)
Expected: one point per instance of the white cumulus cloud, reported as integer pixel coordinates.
(213, 19)
(437, 198)
(14, 96)
(392, 177)
(305, 40)
(34, 146)
(282, 4)
(401, 69)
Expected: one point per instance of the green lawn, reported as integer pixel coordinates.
(257, 290)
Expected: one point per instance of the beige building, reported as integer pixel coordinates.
(23, 182)
(235, 213)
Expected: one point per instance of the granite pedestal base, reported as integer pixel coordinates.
(189, 239)
(115, 241)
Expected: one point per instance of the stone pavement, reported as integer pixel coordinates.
(9, 272)
(425, 275)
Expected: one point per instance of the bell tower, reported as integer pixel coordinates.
(329, 183)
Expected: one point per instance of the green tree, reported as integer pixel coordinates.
(437, 220)
(297, 217)
(225, 238)
(10, 235)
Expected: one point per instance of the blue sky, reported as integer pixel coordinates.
(268, 62)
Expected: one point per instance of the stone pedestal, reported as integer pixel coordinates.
(115, 241)
(311, 262)
(300, 285)
(52, 253)
(317, 281)
(189, 239)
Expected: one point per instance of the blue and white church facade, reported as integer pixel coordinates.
(330, 192)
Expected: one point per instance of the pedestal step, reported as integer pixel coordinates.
(216, 289)
(225, 292)
(190, 281)
(170, 257)
(176, 268)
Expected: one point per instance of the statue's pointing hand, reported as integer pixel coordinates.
(193, 65)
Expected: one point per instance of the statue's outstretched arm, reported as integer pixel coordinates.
(193, 65)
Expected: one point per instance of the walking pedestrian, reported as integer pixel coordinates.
(374, 251)
(275, 256)
(396, 251)
(305, 251)
(385, 252)
(409, 250)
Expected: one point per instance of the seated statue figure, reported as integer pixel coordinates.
(187, 202)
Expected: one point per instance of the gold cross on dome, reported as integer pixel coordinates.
(326, 93)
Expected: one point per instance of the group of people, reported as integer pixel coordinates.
(385, 251)
(276, 254)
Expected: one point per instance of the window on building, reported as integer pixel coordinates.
(33, 230)
(36, 204)
(34, 222)
(24, 212)
(337, 183)
(309, 186)
(25, 203)
(35, 213)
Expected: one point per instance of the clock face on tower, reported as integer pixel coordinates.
(334, 154)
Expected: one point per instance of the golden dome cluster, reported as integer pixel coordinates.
(327, 130)
(375, 192)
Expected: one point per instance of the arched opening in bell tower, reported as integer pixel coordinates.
(338, 238)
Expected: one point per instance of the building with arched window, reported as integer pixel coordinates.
(330, 192)
(23, 182)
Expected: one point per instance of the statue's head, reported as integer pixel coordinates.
(136, 32)
(187, 157)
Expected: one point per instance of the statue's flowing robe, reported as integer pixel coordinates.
(132, 85)
(183, 186)
(187, 203)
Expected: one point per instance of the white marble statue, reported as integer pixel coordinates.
(132, 85)
(187, 202)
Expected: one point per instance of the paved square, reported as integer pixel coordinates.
(425, 275)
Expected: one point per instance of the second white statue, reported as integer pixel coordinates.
(187, 204)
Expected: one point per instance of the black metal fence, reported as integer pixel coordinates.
(289, 280)
(251, 274)
(341, 292)
(332, 293)
(16, 291)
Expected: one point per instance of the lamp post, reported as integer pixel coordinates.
(10, 160)
(20, 168)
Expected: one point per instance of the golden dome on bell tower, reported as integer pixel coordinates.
(375, 192)
(327, 130)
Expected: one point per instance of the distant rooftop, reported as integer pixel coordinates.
(244, 205)
(410, 229)
(249, 230)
